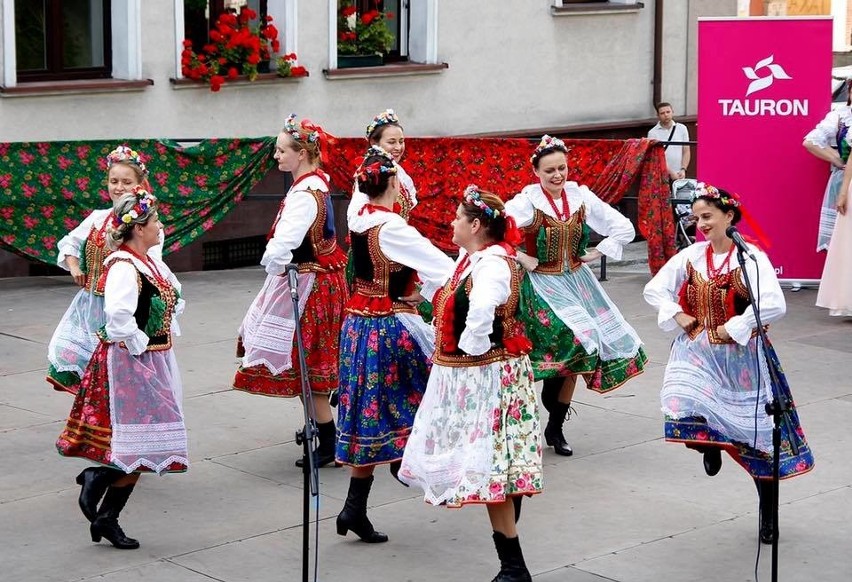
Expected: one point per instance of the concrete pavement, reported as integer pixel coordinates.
(626, 507)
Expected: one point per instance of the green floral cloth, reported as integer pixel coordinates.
(47, 188)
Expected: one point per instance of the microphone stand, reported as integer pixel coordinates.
(779, 409)
(307, 436)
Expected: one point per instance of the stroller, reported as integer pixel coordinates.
(682, 191)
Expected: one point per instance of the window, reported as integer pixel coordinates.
(413, 23)
(195, 18)
(199, 16)
(63, 39)
(396, 19)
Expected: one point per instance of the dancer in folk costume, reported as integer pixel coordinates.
(82, 253)
(384, 344)
(827, 141)
(476, 436)
(128, 413)
(303, 233)
(574, 326)
(835, 286)
(717, 381)
(386, 132)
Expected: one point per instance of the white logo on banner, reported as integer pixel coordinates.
(759, 82)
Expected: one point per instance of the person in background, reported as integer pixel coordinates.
(385, 131)
(128, 414)
(82, 253)
(477, 437)
(668, 130)
(835, 286)
(716, 383)
(827, 142)
(302, 233)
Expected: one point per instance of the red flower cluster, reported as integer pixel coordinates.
(235, 48)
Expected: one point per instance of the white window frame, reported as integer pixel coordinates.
(126, 23)
(420, 43)
(285, 11)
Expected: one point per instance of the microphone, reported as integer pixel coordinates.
(739, 241)
(292, 270)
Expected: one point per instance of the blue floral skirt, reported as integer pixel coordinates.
(383, 375)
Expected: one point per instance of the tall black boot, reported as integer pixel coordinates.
(768, 529)
(553, 431)
(327, 444)
(354, 515)
(517, 500)
(94, 482)
(512, 566)
(106, 522)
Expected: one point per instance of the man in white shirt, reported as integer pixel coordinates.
(667, 130)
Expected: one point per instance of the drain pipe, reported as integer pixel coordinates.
(658, 52)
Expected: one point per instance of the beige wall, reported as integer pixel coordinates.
(512, 67)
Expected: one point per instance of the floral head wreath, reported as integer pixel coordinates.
(314, 133)
(385, 117)
(703, 190)
(124, 154)
(371, 172)
(472, 196)
(144, 201)
(307, 131)
(548, 143)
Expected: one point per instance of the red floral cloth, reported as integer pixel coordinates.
(442, 167)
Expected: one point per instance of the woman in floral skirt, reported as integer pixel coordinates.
(384, 345)
(128, 414)
(476, 437)
(716, 383)
(303, 233)
(82, 253)
(574, 327)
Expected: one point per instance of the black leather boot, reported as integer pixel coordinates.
(394, 467)
(712, 460)
(517, 500)
(106, 523)
(768, 529)
(94, 482)
(354, 515)
(557, 413)
(327, 444)
(512, 566)
(553, 431)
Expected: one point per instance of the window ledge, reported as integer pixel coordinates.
(41, 88)
(390, 70)
(585, 9)
(241, 81)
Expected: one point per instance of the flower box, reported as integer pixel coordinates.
(352, 61)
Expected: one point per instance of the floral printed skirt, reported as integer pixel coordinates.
(320, 323)
(88, 431)
(74, 341)
(714, 396)
(477, 435)
(383, 374)
(576, 329)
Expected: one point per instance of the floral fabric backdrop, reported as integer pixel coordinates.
(442, 167)
(47, 188)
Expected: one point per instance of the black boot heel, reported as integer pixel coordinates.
(559, 413)
(95, 533)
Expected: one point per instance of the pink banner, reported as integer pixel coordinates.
(763, 83)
